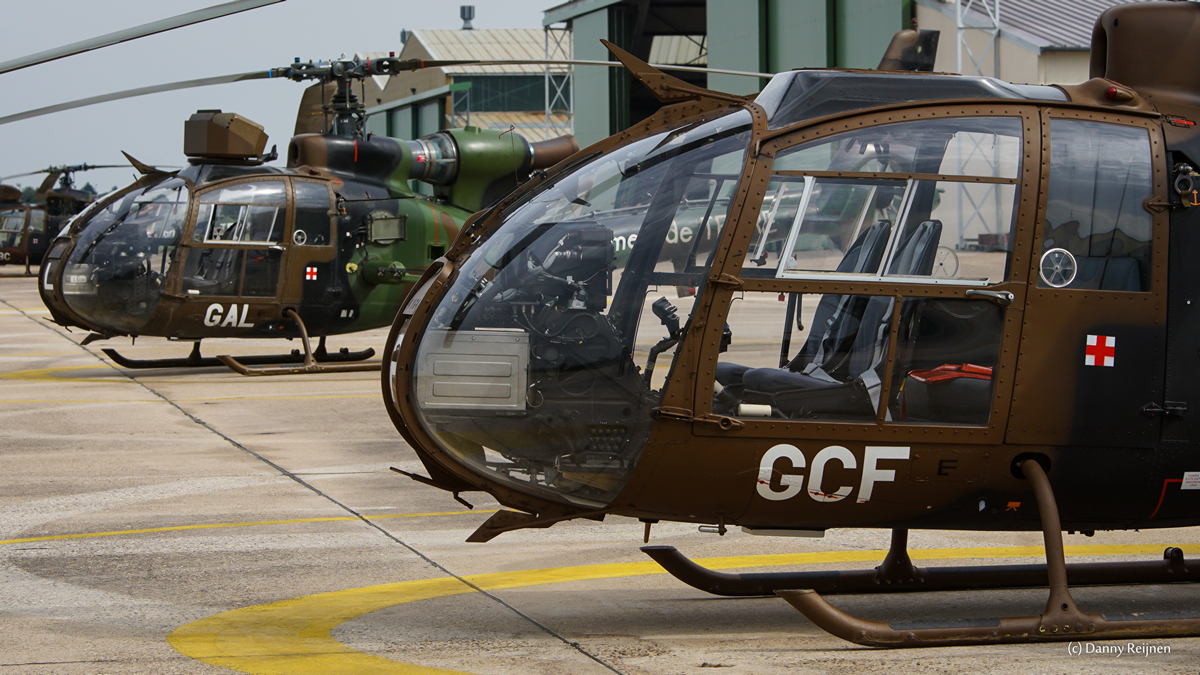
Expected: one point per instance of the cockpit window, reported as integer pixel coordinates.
(926, 202)
(1097, 234)
(162, 211)
(12, 220)
(543, 360)
(37, 220)
(314, 213)
(12, 224)
(931, 200)
(963, 146)
(246, 212)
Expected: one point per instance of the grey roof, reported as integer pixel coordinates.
(485, 44)
(1061, 23)
(1049, 25)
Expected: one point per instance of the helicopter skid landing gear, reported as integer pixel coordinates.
(318, 362)
(1062, 620)
(195, 360)
(898, 575)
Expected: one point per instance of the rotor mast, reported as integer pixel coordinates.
(348, 113)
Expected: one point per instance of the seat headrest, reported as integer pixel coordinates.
(867, 250)
(916, 250)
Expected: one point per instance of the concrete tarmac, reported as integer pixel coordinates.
(170, 521)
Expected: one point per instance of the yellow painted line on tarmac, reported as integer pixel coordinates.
(182, 400)
(277, 398)
(292, 637)
(208, 526)
(48, 374)
(79, 400)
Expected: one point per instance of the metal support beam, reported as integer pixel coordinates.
(990, 26)
(560, 81)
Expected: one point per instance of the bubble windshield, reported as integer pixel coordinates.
(119, 265)
(543, 360)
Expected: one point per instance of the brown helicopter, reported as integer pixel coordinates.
(921, 301)
(26, 228)
(232, 247)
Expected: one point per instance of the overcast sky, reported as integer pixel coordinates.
(150, 128)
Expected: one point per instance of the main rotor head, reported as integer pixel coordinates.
(347, 112)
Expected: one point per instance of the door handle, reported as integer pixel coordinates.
(1002, 298)
(1167, 409)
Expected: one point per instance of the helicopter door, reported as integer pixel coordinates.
(236, 254)
(879, 280)
(311, 281)
(876, 300)
(1094, 337)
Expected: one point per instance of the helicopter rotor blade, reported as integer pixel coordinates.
(130, 93)
(408, 64)
(51, 178)
(59, 169)
(21, 175)
(198, 16)
(310, 116)
(418, 64)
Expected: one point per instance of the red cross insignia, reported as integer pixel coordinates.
(1101, 350)
(310, 273)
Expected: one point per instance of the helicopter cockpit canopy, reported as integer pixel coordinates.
(115, 273)
(127, 242)
(538, 364)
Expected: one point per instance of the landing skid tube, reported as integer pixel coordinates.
(311, 362)
(195, 360)
(898, 575)
(1062, 620)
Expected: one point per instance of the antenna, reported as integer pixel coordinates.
(467, 12)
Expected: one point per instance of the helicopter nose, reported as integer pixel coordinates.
(50, 285)
(554, 412)
(111, 273)
(117, 294)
